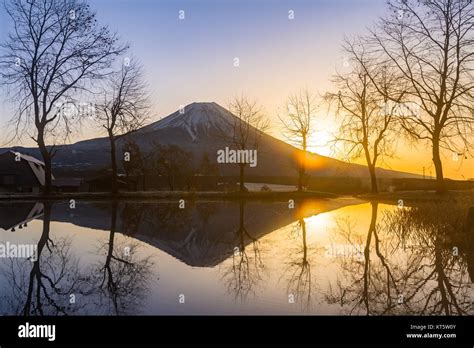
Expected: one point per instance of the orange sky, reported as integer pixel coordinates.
(192, 60)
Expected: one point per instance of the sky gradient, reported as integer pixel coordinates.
(193, 59)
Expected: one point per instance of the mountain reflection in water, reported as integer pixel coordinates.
(323, 257)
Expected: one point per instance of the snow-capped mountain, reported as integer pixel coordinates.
(198, 119)
(199, 128)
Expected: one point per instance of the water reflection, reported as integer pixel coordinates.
(246, 268)
(43, 286)
(418, 266)
(122, 277)
(54, 284)
(441, 233)
(300, 283)
(107, 257)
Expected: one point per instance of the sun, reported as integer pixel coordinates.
(320, 143)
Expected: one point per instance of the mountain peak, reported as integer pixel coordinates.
(201, 104)
(196, 118)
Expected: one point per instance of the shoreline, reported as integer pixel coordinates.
(392, 197)
(417, 196)
(164, 195)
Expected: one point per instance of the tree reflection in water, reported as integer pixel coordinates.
(122, 279)
(55, 284)
(300, 284)
(415, 262)
(246, 268)
(47, 287)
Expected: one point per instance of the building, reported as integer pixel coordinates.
(69, 184)
(21, 173)
(103, 183)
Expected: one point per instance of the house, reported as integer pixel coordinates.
(21, 173)
(68, 184)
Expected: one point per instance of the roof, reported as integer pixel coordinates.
(37, 167)
(28, 158)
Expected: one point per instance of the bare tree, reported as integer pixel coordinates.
(298, 126)
(431, 44)
(124, 108)
(53, 52)
(174, 164)
(135, 164)
(367, 119)
(248, 126)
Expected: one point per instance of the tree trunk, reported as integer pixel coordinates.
(241, 226)
(371, 166)
(113, 224)
(301, 177)
(373, 180)
(47, 163)
(108, 272)
(241, 176)
(113, 158)
(305, 243)
(469, 231)
(366, 276)
(302, 168)
(440, 186)
(35, 273)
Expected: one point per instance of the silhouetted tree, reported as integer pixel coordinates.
(137, 164)
(247, 128)
(298, 125)
(368, 121)
(431, 46)
(173, 163)
(124, 108)
(54, 51)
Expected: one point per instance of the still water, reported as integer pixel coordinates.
(325, 257)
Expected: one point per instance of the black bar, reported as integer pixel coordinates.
(242, 330)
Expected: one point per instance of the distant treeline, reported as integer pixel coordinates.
(339, 185)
